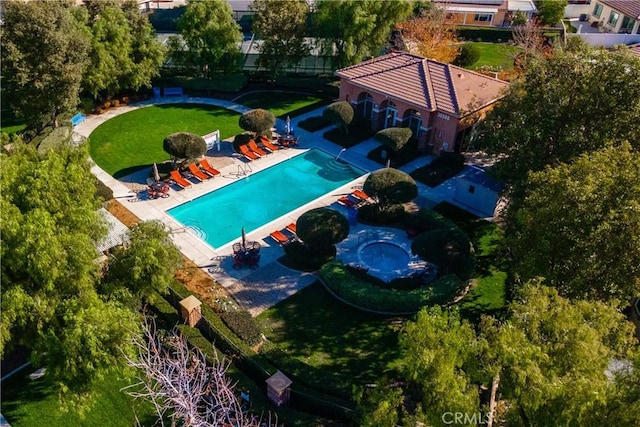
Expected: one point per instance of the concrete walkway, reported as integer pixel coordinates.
(255, 290)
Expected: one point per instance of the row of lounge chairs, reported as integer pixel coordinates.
(202, 172)
(251, 151)
(354, 199)
(282, 239)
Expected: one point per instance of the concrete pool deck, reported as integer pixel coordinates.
(255, 290)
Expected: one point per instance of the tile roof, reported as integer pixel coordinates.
(630, 8)
(635, 49)
(117, 232)
(425, 83)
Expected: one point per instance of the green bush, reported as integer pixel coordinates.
(103, 192)
(55, 138)
(257, 121)
(304, 258)
(445, 166)
(364, 294)
(242, 139)
(339, 113)
(359, 130)
(387, 215)
(243, 325)
(322, 227)
(469, 55)
(228, 83)
(390, 186)
(407, 154)
(314, 124)
(489, 34)
(394, 138)
(450, 249)
(184, 145)
(427, 220)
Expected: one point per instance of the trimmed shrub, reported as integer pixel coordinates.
(387, 215)
(390, 186)
(340, 113)
(227, 83)
(257, 121)
(184, 145)
(314, 124)
(445, 166)
(359, 130)
(489, 34)
(241, 139)
(449, 249)
(407, 154)
(243, 325)
(469, 55)
(394, 139)
(322, 228)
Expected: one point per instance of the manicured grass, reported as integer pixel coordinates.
(134, 139)
(279, 103)
(327, 344)
(27, 403)
(488, 296)
(9, 123)
(498, 56)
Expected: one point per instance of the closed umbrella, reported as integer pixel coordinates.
(288, 125)
(244, 239)
(156, 174)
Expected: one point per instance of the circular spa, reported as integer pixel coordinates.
(388, 260)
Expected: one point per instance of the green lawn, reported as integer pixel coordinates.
(27, 403)
(327, 344)
(498, 56)
(488, 296)
(134, 139)
(279, 103)
(8, 121)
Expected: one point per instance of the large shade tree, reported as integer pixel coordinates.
(210, 38)
(429, 34)
(354, 29)
(565, 105)
(579, 226)
(49, 226)
(282, 26)
(44, 53)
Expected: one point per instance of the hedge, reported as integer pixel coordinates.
(360, 293)
(489, 34)
(314, 123)
(229, 83)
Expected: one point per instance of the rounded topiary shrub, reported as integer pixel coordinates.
(469, 55)
(241, 139)
(322, 227)
(390, 186)
(339, 113)
(394, 139)
(257, 121)
(184, 145)
(448, 248)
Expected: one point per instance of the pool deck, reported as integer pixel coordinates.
(255, 290)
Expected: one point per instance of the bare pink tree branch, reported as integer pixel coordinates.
(178, 382)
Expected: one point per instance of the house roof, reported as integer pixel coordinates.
(425, 83)
(630, 8)
(116, 234)
(635, 49)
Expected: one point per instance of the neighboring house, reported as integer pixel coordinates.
(437, 101)
(617, 16)
(487, 13)
(478, 191)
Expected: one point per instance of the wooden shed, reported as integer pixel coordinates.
(278, 388)
(190, 310)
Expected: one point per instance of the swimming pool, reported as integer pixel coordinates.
(218, 217)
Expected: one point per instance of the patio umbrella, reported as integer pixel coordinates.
(288, 125)
(156, 174)
(244, 239)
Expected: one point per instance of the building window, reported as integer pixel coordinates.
(627, 25)
(613, 18)
(483, 17)
(597, 11)
(472, 189)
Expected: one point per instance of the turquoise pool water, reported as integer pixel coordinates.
(218, 217)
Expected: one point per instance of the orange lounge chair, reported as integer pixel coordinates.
(267, 144)
(280, 237)
(179, 180)
(360, 194)
(292, 228)
(197, 172)
(346, 201)
(248, 154)
(204, 164)
(253, 147)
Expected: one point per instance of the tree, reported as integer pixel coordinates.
(184, 145)
(566, 105)
(49, 225)
(528, 36)
(125, 53)
(44, 53)
(552, 355)
(211, 38)
(352, 30)
(394, 139)
(339, 113)
(281, 25)
(180, 382)
(258, 121)
(390, 186)
(579, 226)
(448, 248)
(147, 263)
(322, 227)
(550, 12)
(430, 35)
(469, 55)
